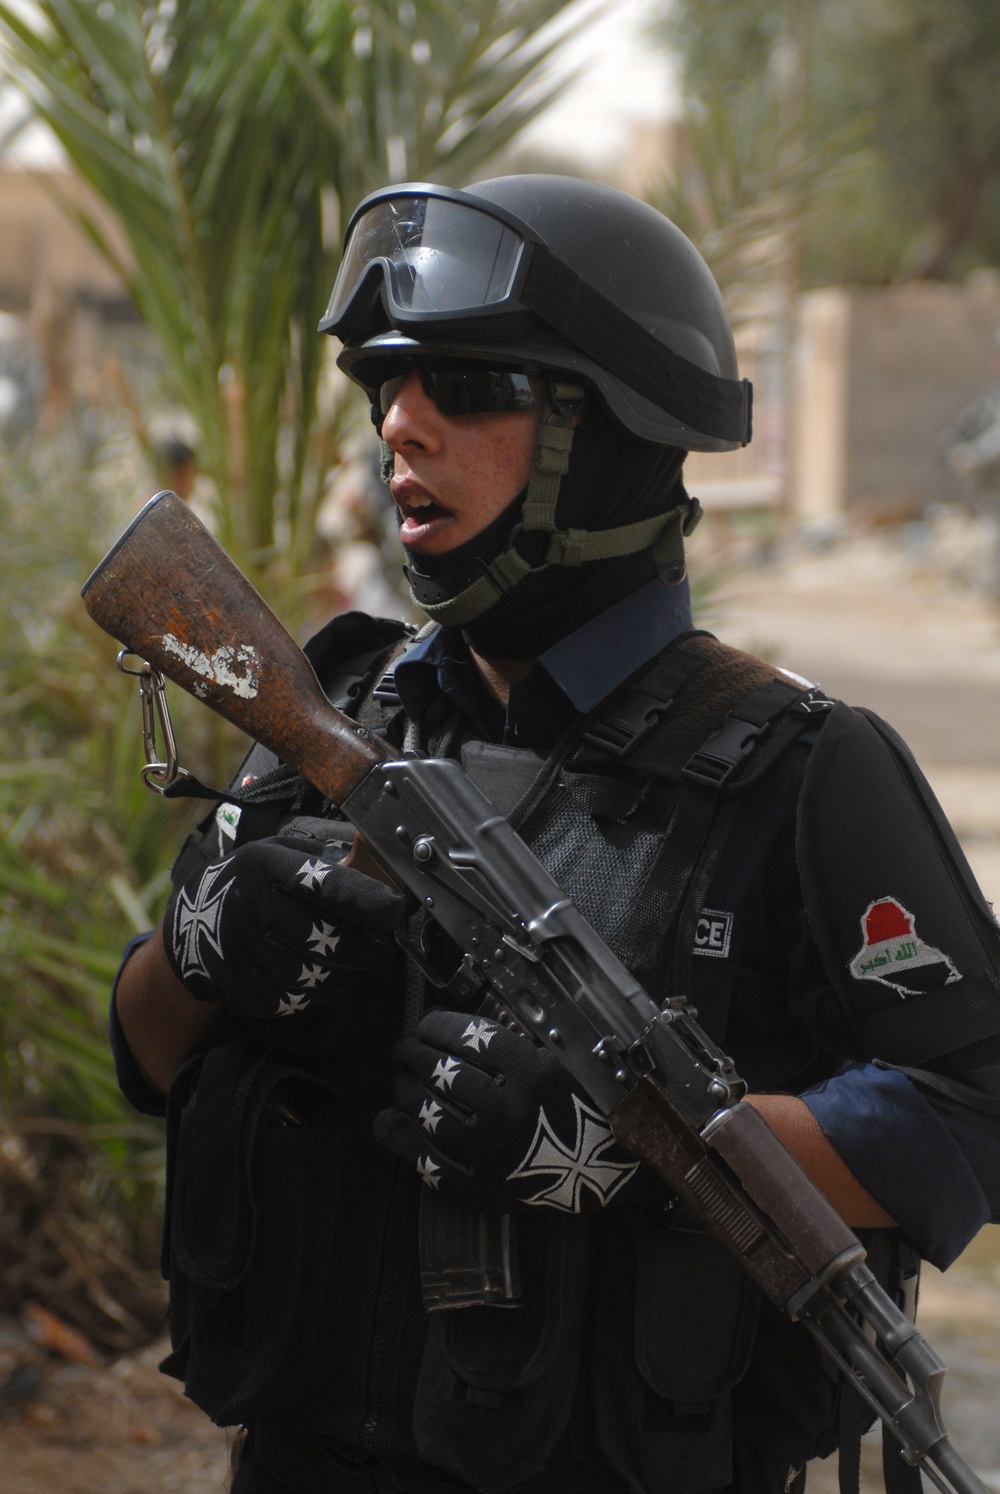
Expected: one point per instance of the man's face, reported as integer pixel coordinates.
(453, 474)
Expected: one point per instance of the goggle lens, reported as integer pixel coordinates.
(440, 256)
(464, 391)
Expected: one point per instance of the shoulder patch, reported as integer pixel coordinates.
(891, 900)
(893, 953)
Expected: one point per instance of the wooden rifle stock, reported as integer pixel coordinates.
(170, 593)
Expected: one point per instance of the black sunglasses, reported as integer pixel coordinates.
(478, 390)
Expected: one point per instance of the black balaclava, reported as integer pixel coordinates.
(613, 478)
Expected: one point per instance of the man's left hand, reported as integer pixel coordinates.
(485, 1115)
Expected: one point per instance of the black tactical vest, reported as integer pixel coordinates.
(631, 1352)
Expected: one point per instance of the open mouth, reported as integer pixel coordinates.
(419, 510)
(422, 509)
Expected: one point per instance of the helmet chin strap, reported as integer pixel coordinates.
(663, 534)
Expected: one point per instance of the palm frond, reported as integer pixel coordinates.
(741, 184)
(211, 129)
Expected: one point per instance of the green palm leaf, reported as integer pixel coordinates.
(212, 130)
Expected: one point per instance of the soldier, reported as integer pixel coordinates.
(540, 353)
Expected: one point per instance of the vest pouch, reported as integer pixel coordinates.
(496, 1384)
(253, 1169)
(675, 1329)
(696, 1312)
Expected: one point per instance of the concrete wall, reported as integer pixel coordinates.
(880, 373)
(820, 424)
(41, 247)
(918, 353)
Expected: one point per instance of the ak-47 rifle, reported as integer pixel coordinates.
(172, 596)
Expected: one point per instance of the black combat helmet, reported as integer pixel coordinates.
(594, 290)
(573, 274)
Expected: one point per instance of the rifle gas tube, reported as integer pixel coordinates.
(170, 594)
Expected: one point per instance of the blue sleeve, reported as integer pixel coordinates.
(931, 1163)
(131, 1083)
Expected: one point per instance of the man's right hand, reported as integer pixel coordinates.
(273, 926)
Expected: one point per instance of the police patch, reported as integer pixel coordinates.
(893, 953)
(712, 934)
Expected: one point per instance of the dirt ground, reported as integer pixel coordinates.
(118, 1429)
(887, 621)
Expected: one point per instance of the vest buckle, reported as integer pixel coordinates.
(619, 730)
(721, 753)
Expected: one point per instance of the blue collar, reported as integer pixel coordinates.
(586, 667)
(592, 662)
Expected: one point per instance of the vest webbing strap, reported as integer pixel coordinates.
(688, 833)
(753, 734)
(952, 1089)
(853, 1420)
(736, 719)
(744, 715)
(899, 1476)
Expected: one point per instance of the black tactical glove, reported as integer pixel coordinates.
(276, 923)
(487, 1116)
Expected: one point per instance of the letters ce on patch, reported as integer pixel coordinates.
(712, 934)
(894, 954)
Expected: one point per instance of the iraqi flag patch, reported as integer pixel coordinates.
(893, 953)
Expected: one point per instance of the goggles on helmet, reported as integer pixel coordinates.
(475, 390)
(434, 256)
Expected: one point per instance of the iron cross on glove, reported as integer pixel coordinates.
(272, 927)
(487, 1116)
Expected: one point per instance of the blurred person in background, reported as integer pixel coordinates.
(971, 451)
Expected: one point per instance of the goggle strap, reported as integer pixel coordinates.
(704, 401)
